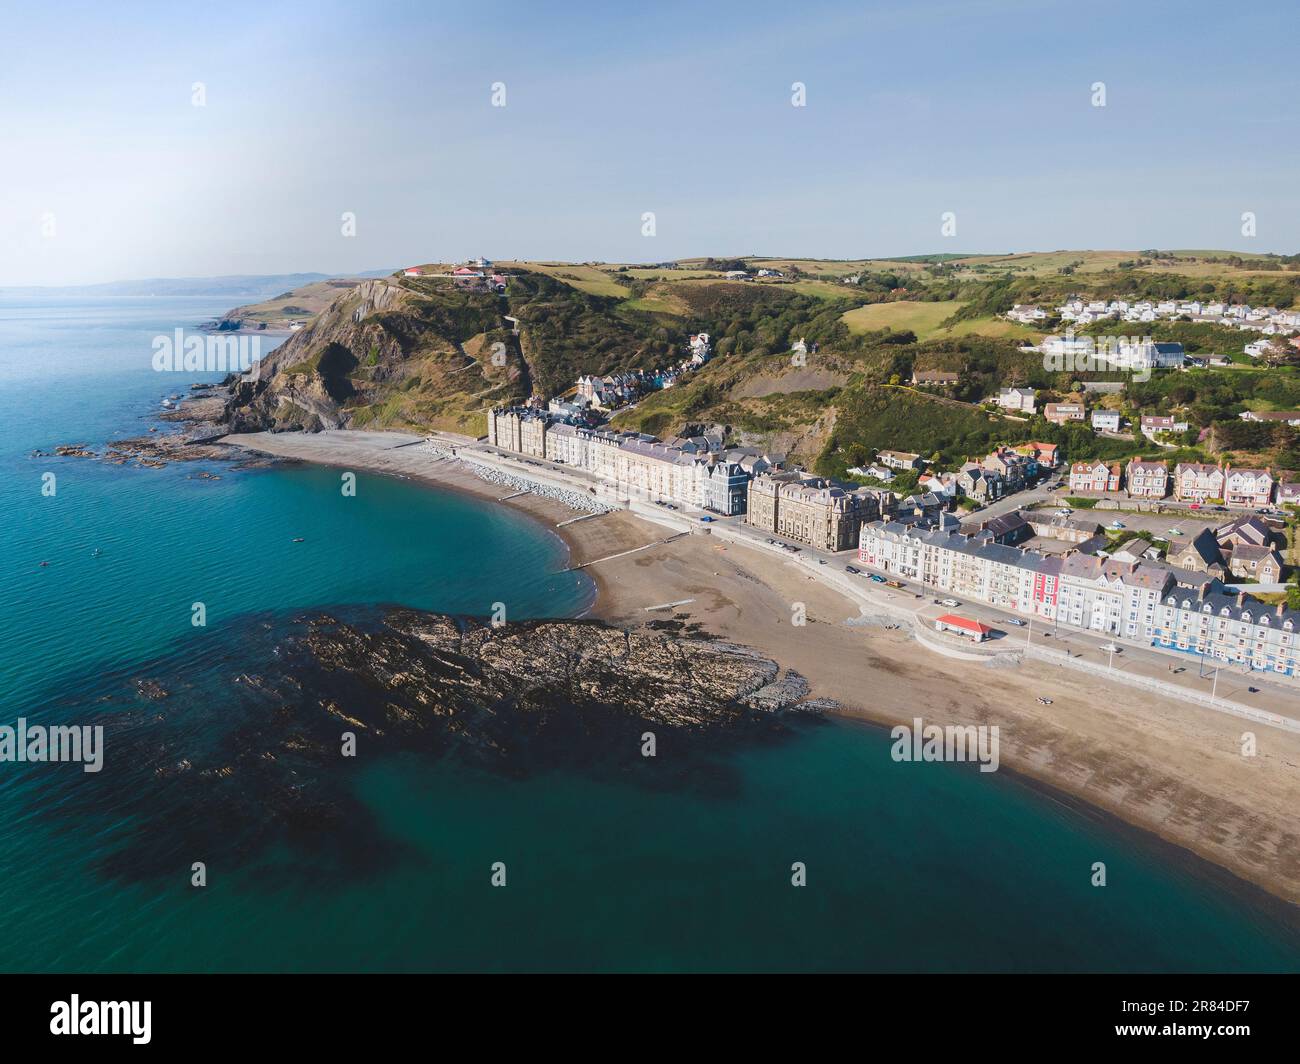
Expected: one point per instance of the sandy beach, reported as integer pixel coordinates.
(1161, 765)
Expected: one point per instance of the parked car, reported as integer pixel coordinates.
(1117, 524)
(706, 517)
(851, 569)
(877, 578)
(1045, 700)
(951, 602)
(1017, 622)
(1175, 531)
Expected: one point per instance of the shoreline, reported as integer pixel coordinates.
(1167, 770)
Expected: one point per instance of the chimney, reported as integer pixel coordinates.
(1281, 606)
(1241, 598)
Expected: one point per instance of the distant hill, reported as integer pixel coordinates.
(235, 286)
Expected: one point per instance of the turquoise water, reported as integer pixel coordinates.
(910, 867)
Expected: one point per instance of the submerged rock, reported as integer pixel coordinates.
(247, 754)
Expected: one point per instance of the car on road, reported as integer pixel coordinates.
(877, 578)
(952, 602)
(1016, 621)
(1175, 531)
(1117, 524)
(1194, 506)
(851, 569)
(1064, 512)
(1111, 648)
(1045, 700)
(706, 518)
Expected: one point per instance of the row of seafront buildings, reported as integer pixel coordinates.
(1134, 599)
(698, 472)
(690, 471)
(1190, 482)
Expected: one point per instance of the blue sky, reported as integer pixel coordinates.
(913, 109)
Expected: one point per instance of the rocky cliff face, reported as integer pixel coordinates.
(422, 353)
(387, 351)
(245, 753)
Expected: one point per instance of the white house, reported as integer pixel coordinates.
(1106, 420)
(1026, 313)
(1021, 399)
(1248, 487)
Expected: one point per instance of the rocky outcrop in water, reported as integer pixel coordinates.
(245, 754)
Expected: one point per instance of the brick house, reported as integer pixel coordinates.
(1256, 563)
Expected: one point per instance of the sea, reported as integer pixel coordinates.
(906, 867)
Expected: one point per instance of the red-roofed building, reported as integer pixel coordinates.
(1046, 452)
(971, 629)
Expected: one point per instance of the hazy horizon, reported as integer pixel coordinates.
(166, 143)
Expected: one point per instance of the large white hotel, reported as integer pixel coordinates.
(1140, 600)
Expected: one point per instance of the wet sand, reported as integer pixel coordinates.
(1161, 765)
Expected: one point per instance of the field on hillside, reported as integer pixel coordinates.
(921, 318)
(924, 320)
(591, 279)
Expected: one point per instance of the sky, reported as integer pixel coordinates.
(181, 140)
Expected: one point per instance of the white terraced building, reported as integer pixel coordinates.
(1144, 601)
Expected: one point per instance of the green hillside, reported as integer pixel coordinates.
(420, 353)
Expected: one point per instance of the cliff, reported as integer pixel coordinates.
(421, 353)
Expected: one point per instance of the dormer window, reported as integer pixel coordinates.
(1246, 617)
